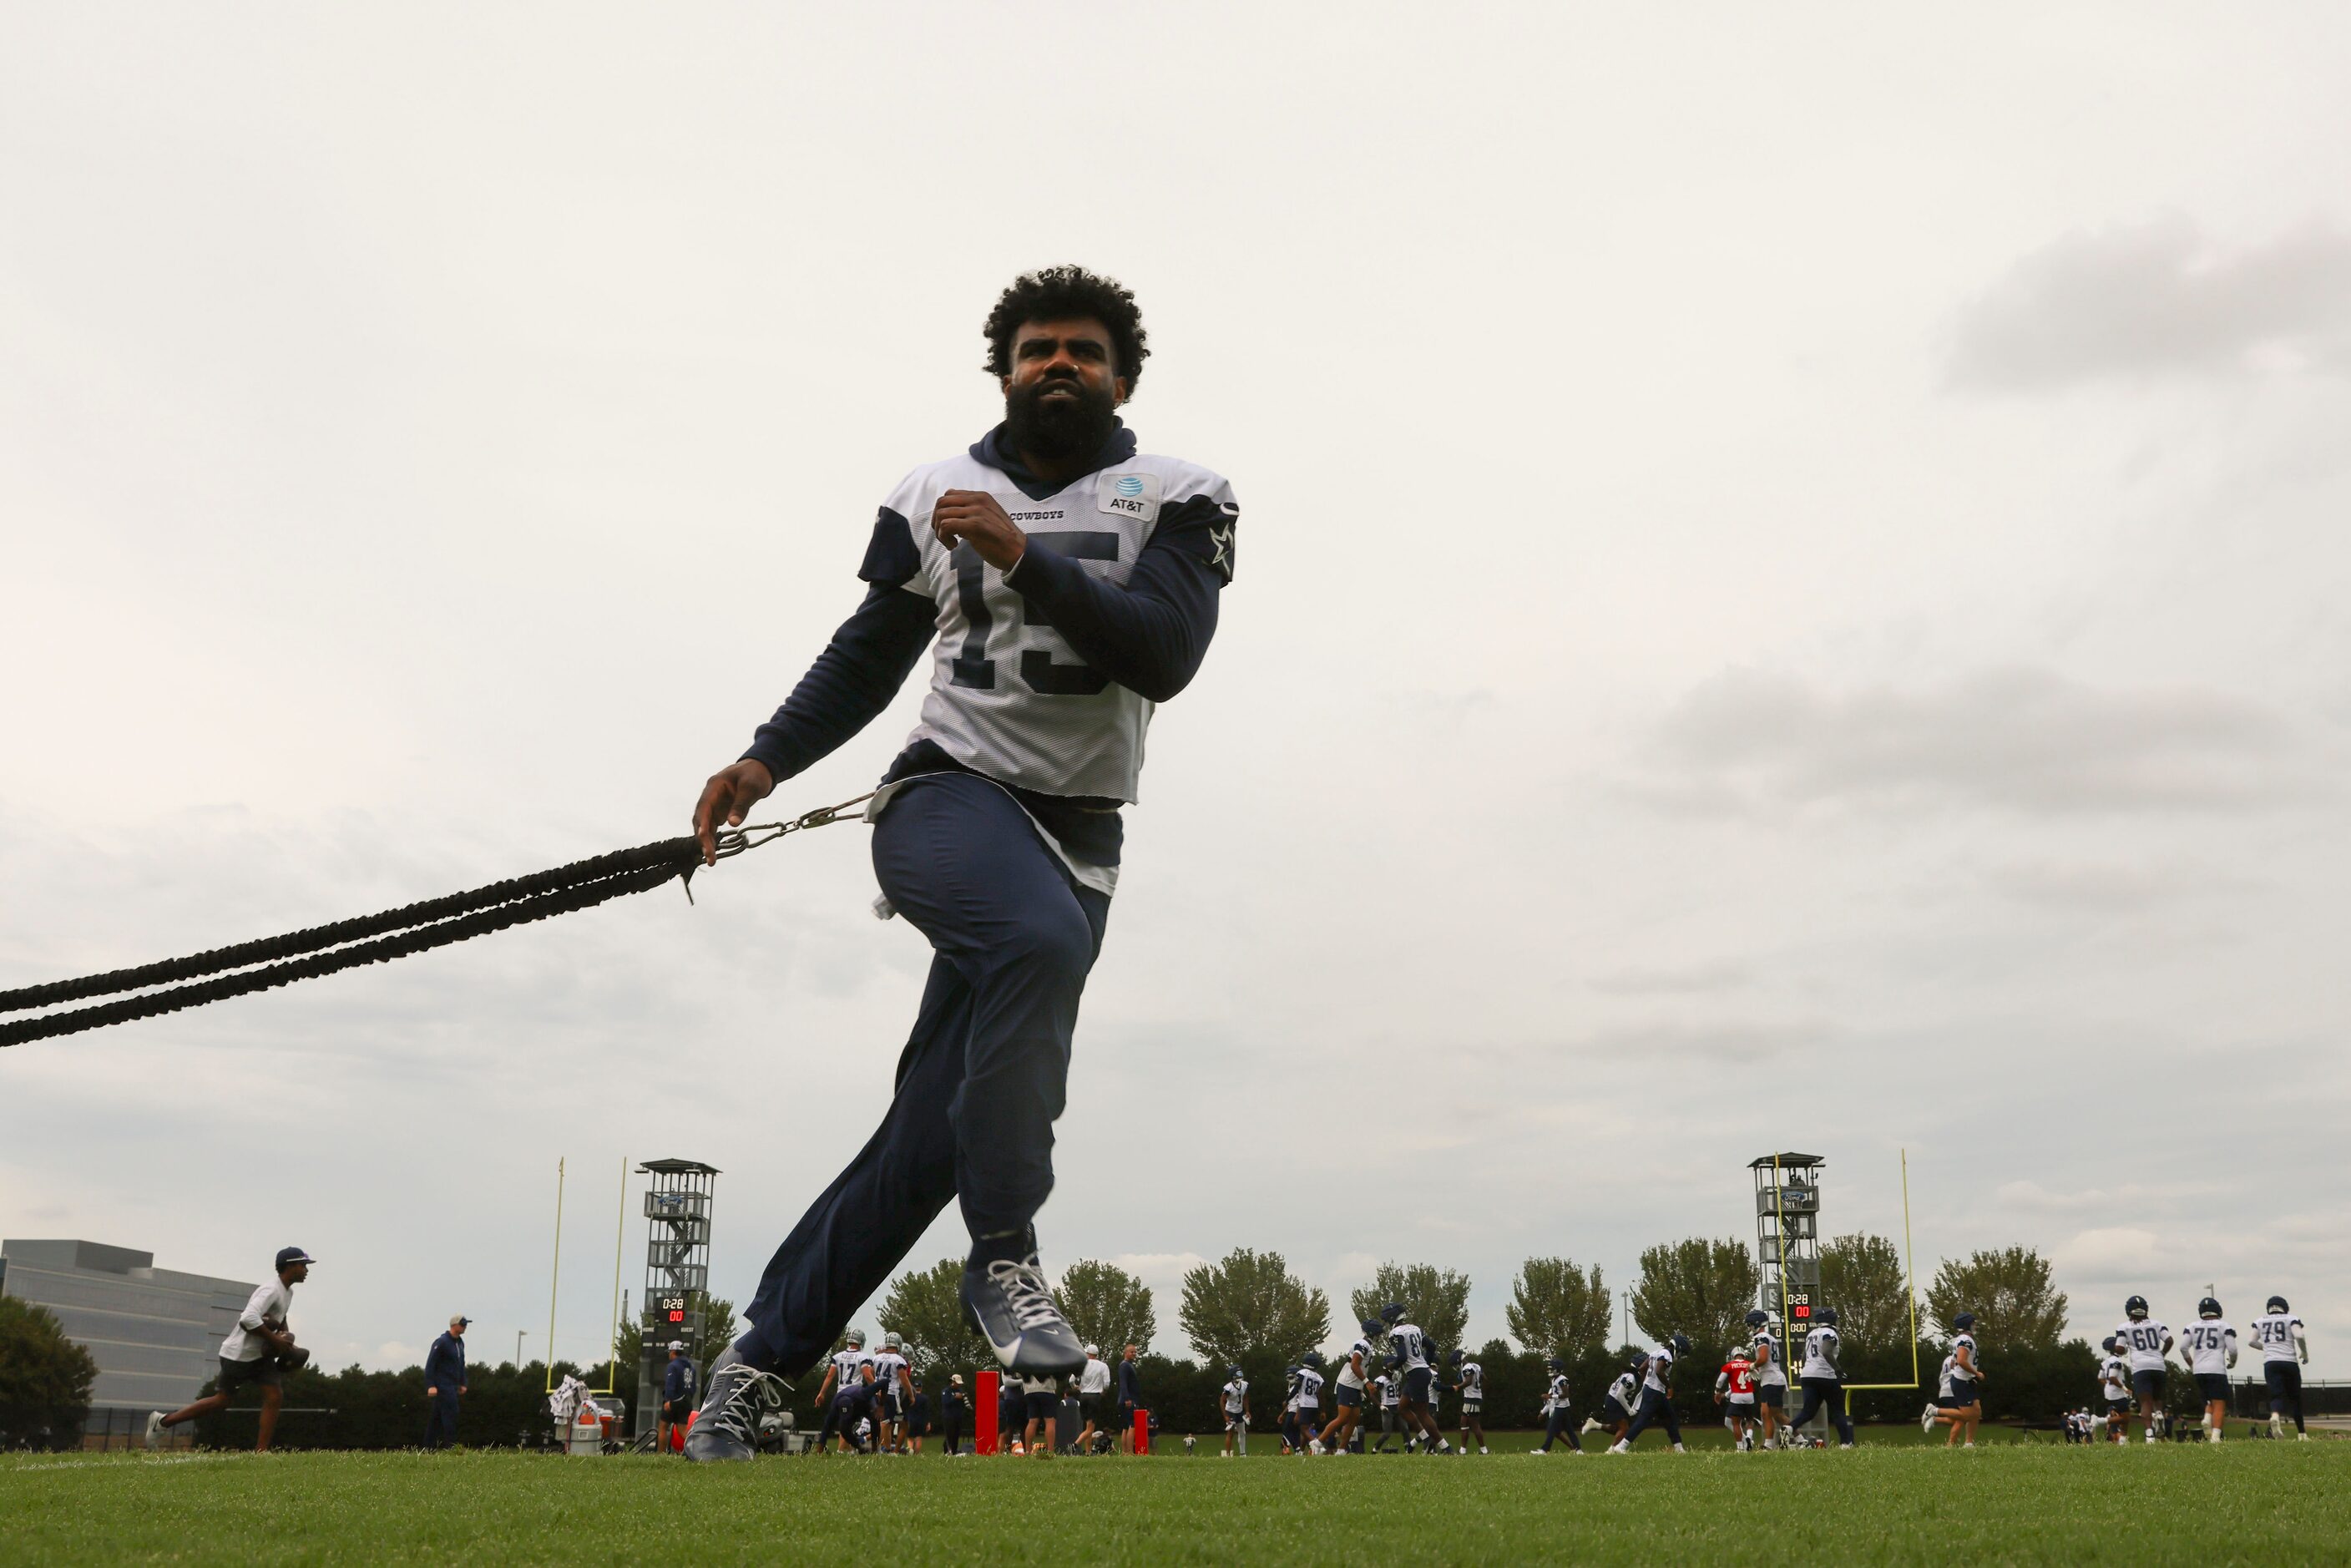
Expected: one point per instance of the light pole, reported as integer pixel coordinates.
(518, 1334)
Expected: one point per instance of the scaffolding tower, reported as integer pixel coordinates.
(1788, 1245)
(678, 1200)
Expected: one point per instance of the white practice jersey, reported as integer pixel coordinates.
(1821, 1353)
(2208, 1345)
(1975, 1357)
(272, 1301)
(1943, 1382)
(1555, 1394)
(1309, 1388)
(845, 1364)
(1236, 1397)
(1472, 1384)
(1410, 1343)
(1625, 1390)
(2143, 1343)
(1009, 698)
(1391, 1390)
(887, 1365)
(1769, 1372)
(1095, 1378)
(1041, 1385)
(1358, 1354)
(2280, 1336)
(1661, 1369)
(2113, 1377)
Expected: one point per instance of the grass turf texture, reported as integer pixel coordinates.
(1887, 1503)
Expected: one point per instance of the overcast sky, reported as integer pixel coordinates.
(1791, 592)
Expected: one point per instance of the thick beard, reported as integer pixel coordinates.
(1060, 433)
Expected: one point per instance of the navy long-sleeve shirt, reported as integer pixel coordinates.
(444, 1364)
(1130, 1383)
(677, 1378)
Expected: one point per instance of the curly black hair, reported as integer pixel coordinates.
(1061, 294)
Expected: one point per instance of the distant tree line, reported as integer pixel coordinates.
(1248, 1309)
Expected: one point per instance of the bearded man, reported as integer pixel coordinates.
(1063, 583)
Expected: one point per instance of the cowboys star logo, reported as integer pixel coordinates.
(1223, 558)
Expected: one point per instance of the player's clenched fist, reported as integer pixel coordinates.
(977, 516)
(730, 794)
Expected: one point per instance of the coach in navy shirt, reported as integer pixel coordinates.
(444, 1380)
(1130, 1395)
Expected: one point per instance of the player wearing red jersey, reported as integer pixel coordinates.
(1734, 1386)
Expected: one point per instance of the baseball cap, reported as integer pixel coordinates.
(290, 1255)
(677, 1345)
(458, 1320)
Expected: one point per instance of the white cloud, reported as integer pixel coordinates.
(2157, 298)
(2020, 738)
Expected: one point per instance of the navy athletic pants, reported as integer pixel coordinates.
(1827, 1392)
(1655, 1408)
(982, 1078)
(1558, 1427)
(2285, 1378)
(440, 1427)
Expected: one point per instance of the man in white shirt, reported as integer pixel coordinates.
(2209, 1349)
(2284, 1350)
(1822, 1378)
(259, 1350)
(2145, 1343)
(1094, 1393)
(1354, 1376)
(893, 1394)
(1234, 1397)
(1658, 1396)
(2114, 1387)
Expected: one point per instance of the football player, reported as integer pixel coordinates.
(1391, 1388)
(1960, 1405)
(850, 1413)
(1236, 1404)
(1770, 1376)
(1291, 1442)
(259, 1349)
(2285, 1349)
(2146, 1341)
(1310, 1400)
(1734, 1389)
(1408, 1353)
(1556, 1423)
(1470, 1379)
(1352, 1380)
(1658, 1396)
(2114, 1387)
(2209, 1349)
(1060, 584)
(893, 1394)
(1822, 1378)
(1617, 1405)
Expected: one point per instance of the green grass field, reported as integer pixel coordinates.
(1886, 1502)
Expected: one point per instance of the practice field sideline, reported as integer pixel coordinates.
(2016, 1503)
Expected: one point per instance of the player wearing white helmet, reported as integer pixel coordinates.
(2145, 1343)
(2284, 1350)
(2209, 1349)
(1408, 1356)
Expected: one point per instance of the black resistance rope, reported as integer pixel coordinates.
(377, 938)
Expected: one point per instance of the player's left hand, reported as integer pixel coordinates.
(977, 519)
